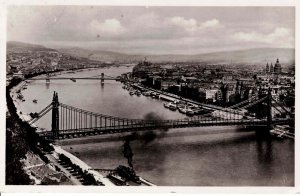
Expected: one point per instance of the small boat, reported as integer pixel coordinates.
(20, 96)
(131, 93)
(190, 112)
(34, 101)
(170, 106)
(155, 95)
(182, 110)
(147, 93)
(166, 105)
(138, 93)
(73, 79)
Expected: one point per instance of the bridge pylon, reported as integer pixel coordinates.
(269, 110)
(55, 115)
(47, 78)
(102, 78)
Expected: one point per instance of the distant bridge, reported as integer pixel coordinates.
(69, 121)
(101, 77)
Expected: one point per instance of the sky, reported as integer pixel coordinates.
(153, 30)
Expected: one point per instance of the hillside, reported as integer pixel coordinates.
(251, 56)
(258, 56)
(25, 47)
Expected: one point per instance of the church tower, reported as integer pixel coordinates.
(277, 67)
(271, 68)
(267, 68)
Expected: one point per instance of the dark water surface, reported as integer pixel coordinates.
(218, 156)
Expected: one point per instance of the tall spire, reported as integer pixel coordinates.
(271, 68)
(267, 68)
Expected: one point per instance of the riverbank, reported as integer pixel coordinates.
(22, 140)
(54, 155)
(75, 160)
(37, 165)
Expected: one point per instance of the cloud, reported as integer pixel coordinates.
(247, 37)
(153, 29)
(210, 23)
(281, 37)
(110, 27)
(191, 25)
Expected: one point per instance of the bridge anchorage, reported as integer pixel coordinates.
(69, 121)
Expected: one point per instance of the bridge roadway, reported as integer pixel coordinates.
(166, 124)
(76, 78)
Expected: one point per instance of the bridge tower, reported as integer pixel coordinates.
(102, 78)
(47, 78)
(269, 109)
(55, 115)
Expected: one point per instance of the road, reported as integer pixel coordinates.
(73, 179)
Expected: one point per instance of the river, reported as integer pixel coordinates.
(210, 156)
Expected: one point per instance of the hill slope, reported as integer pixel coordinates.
(250, 56)
(259, 56)
(25, 47)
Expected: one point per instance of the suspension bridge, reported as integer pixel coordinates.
(100, 77)
(69, 121)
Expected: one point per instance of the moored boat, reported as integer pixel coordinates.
(138, 93)
(146, 93)
(172, 106)
(155, 95)
(166, 105)
(189, 112)
(182, 110)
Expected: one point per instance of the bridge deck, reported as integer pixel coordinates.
(164, 125)
(69, 78)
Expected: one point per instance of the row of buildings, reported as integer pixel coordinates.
(23, 63)
(216, 85)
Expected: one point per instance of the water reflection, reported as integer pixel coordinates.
(264, 149)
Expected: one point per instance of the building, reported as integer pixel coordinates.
(19, 74)
(271, 68)
(274, 69)
(277, 67)
(165, 84)
(267, 68)
(209, 94)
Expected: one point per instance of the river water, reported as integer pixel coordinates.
(210, 156)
